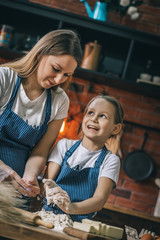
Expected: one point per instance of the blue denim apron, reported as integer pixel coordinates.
(80, 185)
(17, 138)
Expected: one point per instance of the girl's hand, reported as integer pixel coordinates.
(33, 188)
(59, 197)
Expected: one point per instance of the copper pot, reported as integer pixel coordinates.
(91, 55)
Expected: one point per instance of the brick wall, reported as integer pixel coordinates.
(149, 20)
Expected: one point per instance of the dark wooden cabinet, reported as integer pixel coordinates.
(125, 51)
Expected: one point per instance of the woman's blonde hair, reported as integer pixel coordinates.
(57, 42)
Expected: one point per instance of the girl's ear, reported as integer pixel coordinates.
(117, 128)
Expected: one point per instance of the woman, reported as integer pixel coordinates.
(33, 106)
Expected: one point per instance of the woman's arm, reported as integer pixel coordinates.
(90, 205)
(38, 158)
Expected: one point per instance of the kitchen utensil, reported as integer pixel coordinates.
(138, 165)
(6, 35)
(91, 55)
(156, 79)
(83, 235)
(157, 207)
(145, 76)
(34, 219)
(100, 10)
(131, 233)
(147, 236)
(9, 212)
(28, 232)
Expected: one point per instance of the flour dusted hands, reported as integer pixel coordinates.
(56, 195)
(8, 174)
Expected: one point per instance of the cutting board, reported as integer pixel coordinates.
(27, 232)
(84, 235)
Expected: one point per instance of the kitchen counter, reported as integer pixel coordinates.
(27, 232)
(131, 212)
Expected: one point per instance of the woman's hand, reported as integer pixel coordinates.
(59, 197)
(8, 174)
(32, 185)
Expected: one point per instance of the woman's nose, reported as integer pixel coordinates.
(59, 78)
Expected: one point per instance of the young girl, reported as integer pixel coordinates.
(85, 170)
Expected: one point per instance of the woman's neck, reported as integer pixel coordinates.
(31, 88)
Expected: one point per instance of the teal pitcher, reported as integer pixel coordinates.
(100, 10)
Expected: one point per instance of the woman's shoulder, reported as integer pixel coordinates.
(60, 96)
(7, 75)
(7, 78)
(7, 72)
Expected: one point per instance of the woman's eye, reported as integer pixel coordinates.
(55, 69)
(67, 75)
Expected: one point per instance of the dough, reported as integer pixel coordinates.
(60, 221)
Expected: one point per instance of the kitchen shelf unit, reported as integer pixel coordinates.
(123, 49)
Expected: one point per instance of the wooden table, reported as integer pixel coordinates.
(27, 232)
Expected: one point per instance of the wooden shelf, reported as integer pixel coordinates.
(131, 212)
(137, 88)
(86, 22)
(47, 18)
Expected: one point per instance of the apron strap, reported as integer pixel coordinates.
(10, 104)
(71, 150)
(101, 157)
(48, 106)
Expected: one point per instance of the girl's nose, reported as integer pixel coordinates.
(94, 118)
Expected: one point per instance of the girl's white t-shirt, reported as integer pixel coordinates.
(33, 112)
(83, 158)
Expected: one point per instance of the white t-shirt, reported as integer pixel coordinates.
(83, 158)
(33, 112)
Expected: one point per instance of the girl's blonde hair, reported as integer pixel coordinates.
(58, 42)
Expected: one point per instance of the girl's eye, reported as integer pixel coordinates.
(90, 113)
(103, 116)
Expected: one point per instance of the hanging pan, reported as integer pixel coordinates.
(138, 165)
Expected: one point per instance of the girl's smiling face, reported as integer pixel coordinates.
(54, 70)
(98, 122)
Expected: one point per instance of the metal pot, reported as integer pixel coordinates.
(138, 165)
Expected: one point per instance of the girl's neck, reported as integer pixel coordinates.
(92, 145)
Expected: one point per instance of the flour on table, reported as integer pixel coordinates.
(60, 221)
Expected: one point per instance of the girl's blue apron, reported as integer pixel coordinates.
(79, 185)
(17, 138)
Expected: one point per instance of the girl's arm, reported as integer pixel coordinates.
(93, 204)
(38, 158)
(52, 170)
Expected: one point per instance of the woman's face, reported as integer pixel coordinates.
(54, 70)
(98, 122)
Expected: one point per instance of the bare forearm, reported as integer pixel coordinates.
(34, 165)
(93, 204)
